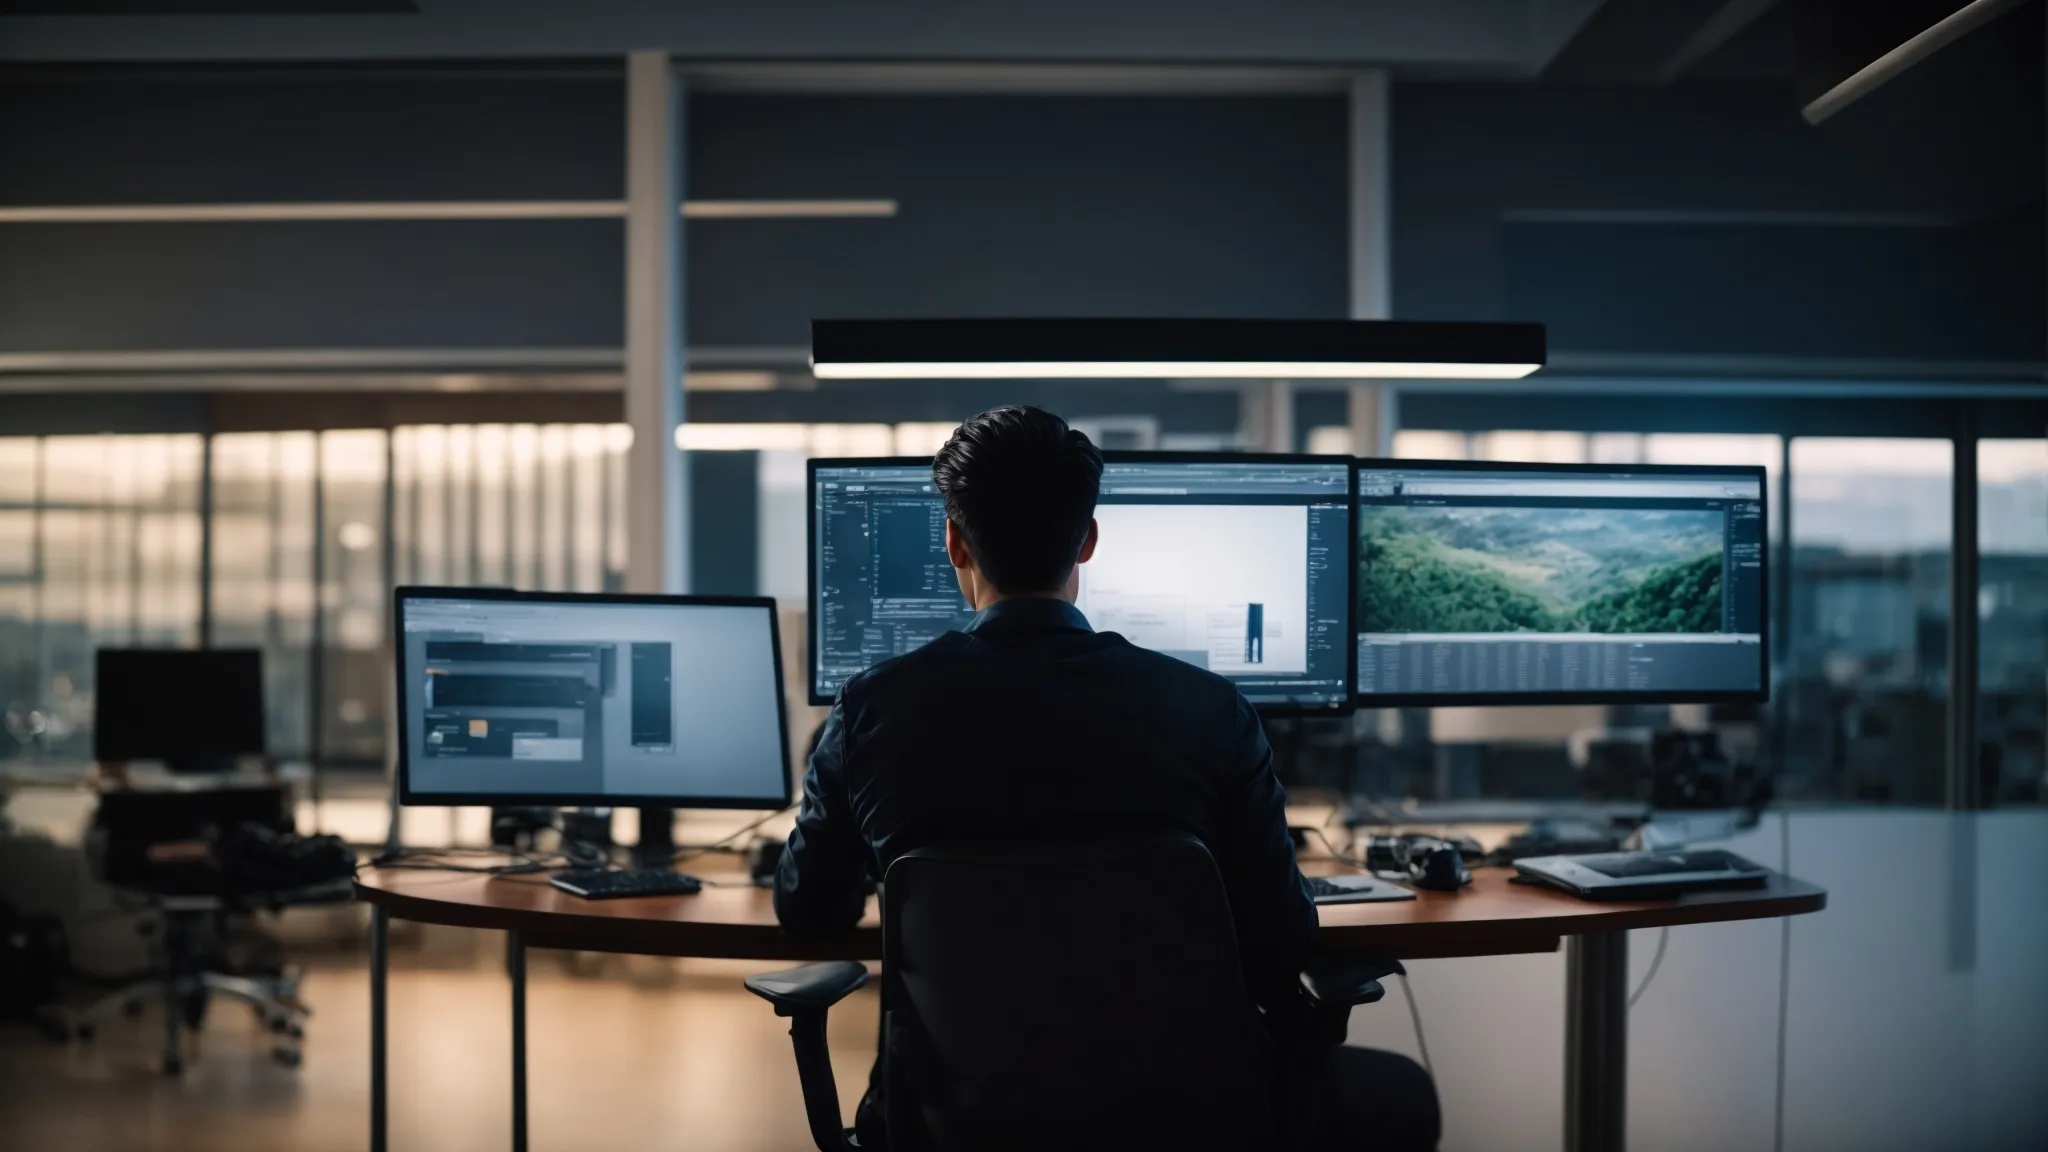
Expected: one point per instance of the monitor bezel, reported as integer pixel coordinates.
(407, 796)
(1342, 707)
(1759, 695)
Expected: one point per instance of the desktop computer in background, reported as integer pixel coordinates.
(195, 710)
(594, 701)
(1240, 564)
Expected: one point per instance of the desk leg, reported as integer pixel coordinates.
(515, 959)
(1596, 1042)
(380, 947)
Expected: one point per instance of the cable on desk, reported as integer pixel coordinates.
(1421, 1044)
(1334, 853)
(428, 860)
(1663, 938)
(726, 841)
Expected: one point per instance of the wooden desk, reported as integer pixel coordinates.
(1491, 917)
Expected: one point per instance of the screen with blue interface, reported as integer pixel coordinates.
(575, 700)
(1237, 566)
(1512, 584)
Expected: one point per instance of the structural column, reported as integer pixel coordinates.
(1373, 410)
(1266, 413)
(657, 493)
(657, 502)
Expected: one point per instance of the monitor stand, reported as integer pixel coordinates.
(586, 838)
(657, 846)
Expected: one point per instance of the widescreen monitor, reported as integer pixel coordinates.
(197, 710)
(1485, 583)
(600, 700)
(1235, 563)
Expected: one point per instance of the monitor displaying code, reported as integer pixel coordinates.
(1514, 583)
(1234, 565)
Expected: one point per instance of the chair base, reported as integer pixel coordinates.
(275, 1001)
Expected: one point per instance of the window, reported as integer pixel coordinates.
(1861, 702)
(103, 549)
(2012, 608)
(262, 577)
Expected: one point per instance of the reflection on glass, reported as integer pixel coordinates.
(102, 548)
(1861, 703)
(2012, 607)
(352, 603)
(261, 581)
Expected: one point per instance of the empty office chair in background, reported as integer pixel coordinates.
(1071, 995)
(200, 861)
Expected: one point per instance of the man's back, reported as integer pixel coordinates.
(1031, 724)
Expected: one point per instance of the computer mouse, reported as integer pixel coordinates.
(1440, 868)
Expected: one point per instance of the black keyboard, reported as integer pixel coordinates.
(619, 883)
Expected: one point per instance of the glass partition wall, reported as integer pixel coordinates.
(300, 535)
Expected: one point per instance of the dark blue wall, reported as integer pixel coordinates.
(1708, 218)
(1921, 208)
(1010, 205)
(1020, 206)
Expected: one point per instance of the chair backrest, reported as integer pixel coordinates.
(1069, 995)
(128, 822)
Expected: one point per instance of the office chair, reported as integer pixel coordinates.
(1070, 995)
(159, 849)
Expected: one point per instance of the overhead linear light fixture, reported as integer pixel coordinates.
(435, 210)
(1174, 349)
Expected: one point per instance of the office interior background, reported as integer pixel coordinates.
(249, 384)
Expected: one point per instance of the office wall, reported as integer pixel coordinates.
(182, 135)
(1702, 218)
(1707, 218)
(1890, 1042)
(1229, 205)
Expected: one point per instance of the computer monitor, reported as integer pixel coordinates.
(1237, 563)
(564, 699)
(195, 710)
(1484, 583)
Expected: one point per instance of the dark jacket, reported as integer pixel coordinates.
(1029, 723)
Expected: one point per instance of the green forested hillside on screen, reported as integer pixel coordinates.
(1538, 570)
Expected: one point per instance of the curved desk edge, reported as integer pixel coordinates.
(1491, 917)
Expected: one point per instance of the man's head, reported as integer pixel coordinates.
(1020, 492)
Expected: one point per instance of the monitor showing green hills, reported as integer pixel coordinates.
(1440, 569)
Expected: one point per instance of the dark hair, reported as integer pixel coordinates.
(1020, 486)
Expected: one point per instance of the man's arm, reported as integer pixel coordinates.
(1276, 915)
(818, 880)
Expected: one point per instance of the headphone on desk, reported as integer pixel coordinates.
(1431, 863)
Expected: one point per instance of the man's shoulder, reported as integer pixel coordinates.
(908, 668)
(1182, 679)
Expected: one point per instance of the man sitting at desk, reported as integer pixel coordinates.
(1029, 721)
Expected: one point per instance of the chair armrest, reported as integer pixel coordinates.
(1333, 986)
(810, 988)
(806, 995)
(1345, 982)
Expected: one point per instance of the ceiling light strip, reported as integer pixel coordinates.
(435, 210)
(1172, 370)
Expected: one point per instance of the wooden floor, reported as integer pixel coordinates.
(624, 1053)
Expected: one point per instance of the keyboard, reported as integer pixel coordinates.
(1358, 889)
(620, 883)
